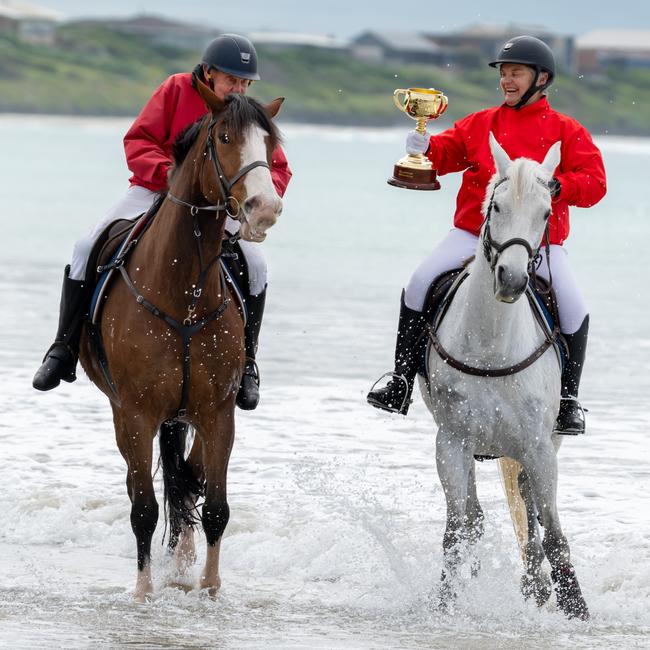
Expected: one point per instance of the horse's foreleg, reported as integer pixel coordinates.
(453, 461)
(473, 516)
(541, 468)
(136, 445)
(217, 444)
(534, 582)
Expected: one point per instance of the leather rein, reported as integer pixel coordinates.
(188, 327)
(534, 259)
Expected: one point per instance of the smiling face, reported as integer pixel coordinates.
(516, 79)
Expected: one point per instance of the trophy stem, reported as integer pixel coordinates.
(421, 125)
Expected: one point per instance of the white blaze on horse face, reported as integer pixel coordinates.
(262, 205)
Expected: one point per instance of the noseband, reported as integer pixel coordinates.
(225, 184)
(492, 249)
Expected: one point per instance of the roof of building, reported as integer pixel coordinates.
(295, 38)
(502, 31)
(27, 11)
(615, 39)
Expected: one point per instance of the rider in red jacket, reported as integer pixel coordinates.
(173, 107)
(228, 65)
(524, 125)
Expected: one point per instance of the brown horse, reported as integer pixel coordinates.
(174, 336)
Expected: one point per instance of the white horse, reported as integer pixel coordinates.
(484, 400)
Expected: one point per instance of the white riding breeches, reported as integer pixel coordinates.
(459, 245)
(137, 201)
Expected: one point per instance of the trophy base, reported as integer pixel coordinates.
(414, 179)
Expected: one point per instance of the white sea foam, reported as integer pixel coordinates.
(337, 512)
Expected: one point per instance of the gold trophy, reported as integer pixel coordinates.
(414, 171)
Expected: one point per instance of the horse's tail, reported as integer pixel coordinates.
(182, 486)
(510, 475)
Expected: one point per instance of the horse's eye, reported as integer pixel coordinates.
(223, 138)
(497, 208)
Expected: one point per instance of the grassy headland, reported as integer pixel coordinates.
(97, 71)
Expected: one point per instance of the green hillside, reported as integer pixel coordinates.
(96, 71)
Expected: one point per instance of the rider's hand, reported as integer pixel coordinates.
(555, 186)
(416, 142)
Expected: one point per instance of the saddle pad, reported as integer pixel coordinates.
(105, 277)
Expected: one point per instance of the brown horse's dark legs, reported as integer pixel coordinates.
(217, 439)
(216, 514)
(136, 445)
(144, 517)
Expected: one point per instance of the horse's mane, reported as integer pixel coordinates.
(524, 177)
(240, 112)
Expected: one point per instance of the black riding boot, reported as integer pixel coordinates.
(571, 419)
(409, 349)
(60, 361)
(249, 390)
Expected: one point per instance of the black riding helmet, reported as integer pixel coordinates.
(532, 52)
(232, 54)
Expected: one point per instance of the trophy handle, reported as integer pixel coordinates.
(444, 102)
(400, 104)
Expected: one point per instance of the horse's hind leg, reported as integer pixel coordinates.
(541, 468)
(182, 488)
(534, 582)
(217, 440)
(135, 442)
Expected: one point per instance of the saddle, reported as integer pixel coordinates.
(443, 288)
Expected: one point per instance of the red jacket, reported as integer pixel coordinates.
(530, 132)
(148, 143)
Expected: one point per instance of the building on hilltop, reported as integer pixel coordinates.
(29, 22)
(627, 48)
(397, 47)
(477, 44)
(184, 36)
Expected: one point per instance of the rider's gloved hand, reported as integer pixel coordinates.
(416, 142)
(555, 187)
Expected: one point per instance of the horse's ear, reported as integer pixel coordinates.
(274, 107)
(552, 158)
(501, 159)
(213, 103)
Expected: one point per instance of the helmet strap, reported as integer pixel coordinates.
(534, 88)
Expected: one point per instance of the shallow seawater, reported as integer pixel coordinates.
(336, 510)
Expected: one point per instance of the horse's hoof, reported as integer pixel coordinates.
(446, 598)
(142, 598)
(568, 593)
(537, 586)
(210, 588)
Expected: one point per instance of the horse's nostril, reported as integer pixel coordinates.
(251, 204)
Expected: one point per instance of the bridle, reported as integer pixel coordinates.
(225, 184)
(492, 249)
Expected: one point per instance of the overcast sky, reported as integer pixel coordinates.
(346, 17)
